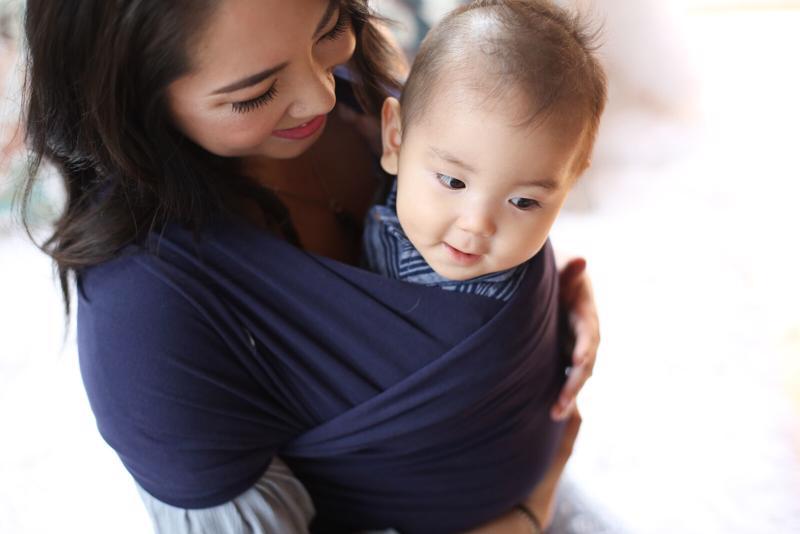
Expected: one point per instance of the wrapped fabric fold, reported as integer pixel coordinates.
(397, 405)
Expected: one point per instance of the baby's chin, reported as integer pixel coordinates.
(453, 266)
(456, 277)
(448, 267)
(459, 273)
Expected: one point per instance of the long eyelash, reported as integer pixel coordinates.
(339, 29)
(535, 204)
(255, 103)
(445, 178)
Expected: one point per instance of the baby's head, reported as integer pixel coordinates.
(496, 122)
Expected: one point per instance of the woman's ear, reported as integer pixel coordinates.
(391, 135)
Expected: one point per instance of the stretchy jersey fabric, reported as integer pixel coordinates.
(396, 405)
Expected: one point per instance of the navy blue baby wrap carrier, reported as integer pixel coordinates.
(397, 405)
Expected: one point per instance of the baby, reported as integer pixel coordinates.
(495, 124)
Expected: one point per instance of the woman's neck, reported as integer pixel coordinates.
(279, 174)
(331, 183)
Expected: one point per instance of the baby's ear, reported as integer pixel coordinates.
(390, 135)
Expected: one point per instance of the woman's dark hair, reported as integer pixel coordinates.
(96, 109)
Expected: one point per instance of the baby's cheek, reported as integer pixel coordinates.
(409, 218)
(420, 216)
(533, 240)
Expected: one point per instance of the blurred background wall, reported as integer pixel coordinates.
(689, 219)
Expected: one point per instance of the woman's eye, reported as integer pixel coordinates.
(525, 203)
(341, 26)
(450, 182)
(255, 103)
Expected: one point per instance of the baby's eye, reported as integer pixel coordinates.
(450, 182)
(525, 203)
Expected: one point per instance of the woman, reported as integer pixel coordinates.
(169, 120)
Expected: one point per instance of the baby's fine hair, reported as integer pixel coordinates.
(495, 46)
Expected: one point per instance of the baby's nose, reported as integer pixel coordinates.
(478, 222)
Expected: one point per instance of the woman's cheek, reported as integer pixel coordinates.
(340, 51)
(242, 134)
(348, 43)
(350, 47)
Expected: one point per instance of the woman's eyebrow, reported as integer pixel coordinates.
(251, 80)
(254, 79)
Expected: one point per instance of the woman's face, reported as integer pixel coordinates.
(261, 78)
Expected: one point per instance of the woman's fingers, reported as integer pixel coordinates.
(565, 446)
(583, 360)
(566, 401)
(570, 279)
(578, 300)
(562, 409)
(570, 435)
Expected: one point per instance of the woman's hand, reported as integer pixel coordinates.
(542, 500)
(577, 299)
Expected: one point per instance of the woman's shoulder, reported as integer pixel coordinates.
(130, 274)
(153, 302)
(170, 380)
(278, 499)
(167, 269)
(134, 323)
(144, 319)
(131, 303)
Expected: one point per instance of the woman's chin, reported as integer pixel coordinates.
(280, 148)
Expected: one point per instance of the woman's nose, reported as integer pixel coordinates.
(316, 95)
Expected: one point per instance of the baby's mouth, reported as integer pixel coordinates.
(461, 257)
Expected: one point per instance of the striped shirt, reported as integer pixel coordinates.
(389, 252)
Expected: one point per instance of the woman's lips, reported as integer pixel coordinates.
(460, 257)
(303, 131)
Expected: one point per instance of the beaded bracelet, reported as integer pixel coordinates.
(531, 517)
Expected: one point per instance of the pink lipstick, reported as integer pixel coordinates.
(303, 131)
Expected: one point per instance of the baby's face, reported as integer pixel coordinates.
(477, 193)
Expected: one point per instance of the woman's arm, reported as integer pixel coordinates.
(577, 298)
(278, 502)
(542, 500)
(169, 383)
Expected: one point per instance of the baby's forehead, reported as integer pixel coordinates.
(462, 90)
(456, 81)
(530, 61)
(472, 76)
(494, 130)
